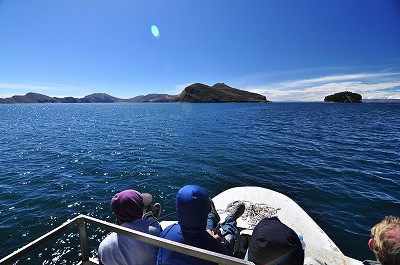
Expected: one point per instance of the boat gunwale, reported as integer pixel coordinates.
(81, 220)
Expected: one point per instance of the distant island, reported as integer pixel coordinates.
(195, 93)
(344, 97)
(200, 93)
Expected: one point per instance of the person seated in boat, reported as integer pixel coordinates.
(129, 209)
(272, 242)
(192, 208)
(229, 231)
(385, 241)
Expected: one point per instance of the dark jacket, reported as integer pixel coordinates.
(192, 207)
(274, 242)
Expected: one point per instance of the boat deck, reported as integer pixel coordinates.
(318, 244)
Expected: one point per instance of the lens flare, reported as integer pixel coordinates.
(155, 31)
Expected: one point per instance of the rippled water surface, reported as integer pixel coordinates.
(340, 162)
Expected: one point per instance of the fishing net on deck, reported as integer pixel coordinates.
(254, 212)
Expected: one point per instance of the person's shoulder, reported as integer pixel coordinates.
(108, 241)
(149, 222)
(172, 232)
(149, 226)
(153, 227)
(173, 227)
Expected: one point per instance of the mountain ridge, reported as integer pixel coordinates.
(195, 93)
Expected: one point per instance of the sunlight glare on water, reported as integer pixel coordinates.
(330, 158)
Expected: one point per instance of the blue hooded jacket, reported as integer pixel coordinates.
(192, 207)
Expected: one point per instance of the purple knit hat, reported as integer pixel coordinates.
(128, 205)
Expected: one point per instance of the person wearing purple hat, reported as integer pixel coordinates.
(128, 207)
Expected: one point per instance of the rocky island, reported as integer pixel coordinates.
(197, 92)
(344, 97)
(200, 93)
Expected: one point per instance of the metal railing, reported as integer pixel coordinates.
(81, 221)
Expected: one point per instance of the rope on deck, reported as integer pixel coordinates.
(254, 212)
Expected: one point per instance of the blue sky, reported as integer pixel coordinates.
(285, 50)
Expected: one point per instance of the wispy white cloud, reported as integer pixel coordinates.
(335, 78)
(182, 86)
(372, 85)
(178, 88)
(17, 86)
(11, 89)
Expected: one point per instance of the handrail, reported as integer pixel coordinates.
(81, 220)
(16, 255)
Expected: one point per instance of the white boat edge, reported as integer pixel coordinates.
(318, 244)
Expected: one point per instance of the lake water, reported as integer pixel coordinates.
(340, 162)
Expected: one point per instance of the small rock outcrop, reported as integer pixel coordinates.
(344, 97)
(218, 93)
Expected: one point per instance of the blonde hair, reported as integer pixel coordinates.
(386, 240)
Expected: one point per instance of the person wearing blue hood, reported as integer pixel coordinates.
(192, 208)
